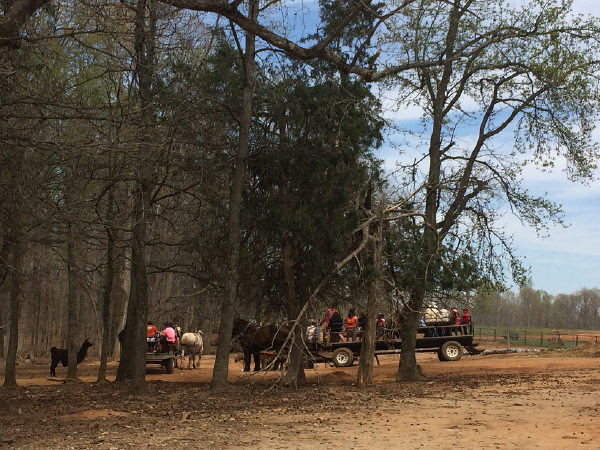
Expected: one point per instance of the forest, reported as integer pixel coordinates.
(531, 308)
(195, 161)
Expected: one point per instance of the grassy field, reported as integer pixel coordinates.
(539, 337)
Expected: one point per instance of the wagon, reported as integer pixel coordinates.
(167, 358)
(438, 339)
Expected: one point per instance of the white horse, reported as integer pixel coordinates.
(192, 344)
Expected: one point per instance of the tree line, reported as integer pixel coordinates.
(189, 161)
(531, 308)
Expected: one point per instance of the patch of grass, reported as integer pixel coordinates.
(542, 337)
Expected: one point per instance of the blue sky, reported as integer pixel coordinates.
(569, 258)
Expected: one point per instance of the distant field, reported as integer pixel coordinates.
(539, 337)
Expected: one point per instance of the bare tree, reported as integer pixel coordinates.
(221, 370)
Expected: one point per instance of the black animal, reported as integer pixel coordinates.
(62, 355)
(255, 339)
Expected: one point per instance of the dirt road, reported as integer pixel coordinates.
(520, 401)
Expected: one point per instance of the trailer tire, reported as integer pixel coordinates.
(342, 357)
(450, 351)
(440, 355)
(169, 365)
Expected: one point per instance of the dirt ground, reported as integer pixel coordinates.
(515, 401)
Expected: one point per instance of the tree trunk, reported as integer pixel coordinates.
(108, 284)
(364, 376)
(10, 379)
(37, 334)
(221, 369)
(407, 368)
(120, 300)
(72, 304)
(2, 354)
(295, 369)
(134, 345)
(125, 369)
(139, 318)
(295, 374)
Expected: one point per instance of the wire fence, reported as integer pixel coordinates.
(537, 338)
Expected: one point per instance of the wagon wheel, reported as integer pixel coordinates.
(169, 365)
(440, 355)
(342, 357)
(450, 351)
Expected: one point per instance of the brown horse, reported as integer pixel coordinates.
(255, 339)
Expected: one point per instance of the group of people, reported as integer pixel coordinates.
(167, 337)
(443, 322)
(340, 329)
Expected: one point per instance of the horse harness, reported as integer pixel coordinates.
(248, 324)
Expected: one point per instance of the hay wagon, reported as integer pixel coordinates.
(435, 339)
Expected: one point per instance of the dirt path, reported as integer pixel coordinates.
(520, 401)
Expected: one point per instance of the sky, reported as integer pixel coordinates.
(568, 259)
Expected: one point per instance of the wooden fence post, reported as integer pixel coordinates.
(576, 340)
(542, 339)
(525, 342)
(494, 335)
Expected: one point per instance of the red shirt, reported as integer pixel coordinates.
(151, 331)
(465, 319)
(454, 317)
(328, 314)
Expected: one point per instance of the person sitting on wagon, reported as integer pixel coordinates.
(465, 320)
(168, 336)
(336, 324)
(444, 322)
(380, 324)
(454, 320)
(327, 315)
(312, 331)
(151, 331)
(351, 322)
(431, 320)
(362, 321)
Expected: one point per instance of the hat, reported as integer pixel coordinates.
(454, 309)
(465, 309)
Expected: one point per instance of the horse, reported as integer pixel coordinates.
(62, 355)
(255, 339)
(193, 344)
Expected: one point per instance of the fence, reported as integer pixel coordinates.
(536, 338)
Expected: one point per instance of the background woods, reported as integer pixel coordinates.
(183, 161)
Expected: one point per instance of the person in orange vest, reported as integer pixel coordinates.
(351, 323)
